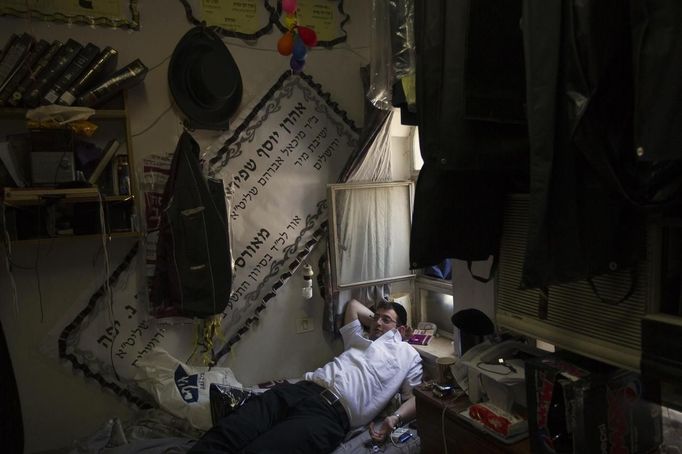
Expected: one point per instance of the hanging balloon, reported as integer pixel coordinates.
(290, 21)
(289, 6)
(285, 45)
(308, 36)
(296, 65)
(299, 49)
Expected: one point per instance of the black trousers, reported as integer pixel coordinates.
(290, 418)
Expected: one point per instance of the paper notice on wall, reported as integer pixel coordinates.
(276, 167)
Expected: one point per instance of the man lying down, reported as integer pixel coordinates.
(314, 415)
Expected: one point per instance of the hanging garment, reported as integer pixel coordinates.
(579, 76)
(472, 131)
(657, 42)
(11, 423)
(193, 275)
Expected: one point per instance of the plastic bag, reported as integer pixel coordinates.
(181, 389)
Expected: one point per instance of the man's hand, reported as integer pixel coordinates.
(406, 333)
(381, 431)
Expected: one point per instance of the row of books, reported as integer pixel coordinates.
(35, 72)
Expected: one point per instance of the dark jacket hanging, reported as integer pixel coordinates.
(579, 76)
(193, 275)
(472, 131)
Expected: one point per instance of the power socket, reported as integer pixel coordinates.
(304, 325)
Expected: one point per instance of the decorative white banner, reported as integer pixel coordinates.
(279, 160)
(276, 167)
(109, 330)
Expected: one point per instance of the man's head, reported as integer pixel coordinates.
(388, 315)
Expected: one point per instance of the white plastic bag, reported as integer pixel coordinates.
(181, 389)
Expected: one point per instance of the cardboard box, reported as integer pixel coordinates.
(580, 406)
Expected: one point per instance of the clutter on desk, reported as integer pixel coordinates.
(578, 405)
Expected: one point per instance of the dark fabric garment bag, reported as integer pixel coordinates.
(193, 275)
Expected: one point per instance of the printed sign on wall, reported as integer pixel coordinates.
(279, 161)
(112, 13)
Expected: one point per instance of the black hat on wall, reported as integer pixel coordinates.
(204, 80)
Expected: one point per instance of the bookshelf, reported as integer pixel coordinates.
(56, 211)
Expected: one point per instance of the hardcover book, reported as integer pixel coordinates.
(71, 73)
(24, 70)
(101, 67)
(8, 44)
(55, 68)
(13, 58)
(17, 96)
(125, 77)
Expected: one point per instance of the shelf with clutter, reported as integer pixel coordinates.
(66, 169)
(57, 183)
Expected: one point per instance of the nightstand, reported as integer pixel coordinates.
(460, 436)
(439, 347)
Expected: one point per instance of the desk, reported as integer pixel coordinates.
(461, 436)
(439, 347)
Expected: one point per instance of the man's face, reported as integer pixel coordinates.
(384, 320)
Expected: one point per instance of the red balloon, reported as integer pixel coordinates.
(285, 45)
(308, 36)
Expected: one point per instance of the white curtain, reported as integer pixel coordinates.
(366, 221)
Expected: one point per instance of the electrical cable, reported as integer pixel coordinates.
(107, 287)
(153, 123)
(8, 260)
(35, 269)
(442, 419)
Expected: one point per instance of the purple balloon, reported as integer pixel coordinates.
(296, 65)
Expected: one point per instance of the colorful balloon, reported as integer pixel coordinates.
(290, 21)
(289, 6)
(299, 49)
(308, 36)
(296, 65)
(285, 45)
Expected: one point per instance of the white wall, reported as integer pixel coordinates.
(58, 406)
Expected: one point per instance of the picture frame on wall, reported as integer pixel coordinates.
(244, 19)
(105, 13)
(251, 19)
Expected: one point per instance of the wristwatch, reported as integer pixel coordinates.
(400, 419)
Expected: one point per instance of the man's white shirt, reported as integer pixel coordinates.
(369, 373)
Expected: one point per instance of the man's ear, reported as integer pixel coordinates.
(402, 330)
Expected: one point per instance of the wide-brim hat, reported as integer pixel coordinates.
(204, 80)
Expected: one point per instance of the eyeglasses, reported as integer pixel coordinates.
(385, 319)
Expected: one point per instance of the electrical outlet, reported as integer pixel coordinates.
(304, 325)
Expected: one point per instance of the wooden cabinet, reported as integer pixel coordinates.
(60, 210)
(438, 424)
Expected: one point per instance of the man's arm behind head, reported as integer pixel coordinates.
(355, 310)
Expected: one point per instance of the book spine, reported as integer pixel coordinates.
(54, 69)
(29, 63)
(122, 175)
(124, 78)
(104, 64)
(114, 175)
(8, 44)
(75, 69)
(13, 58)
(18, 95)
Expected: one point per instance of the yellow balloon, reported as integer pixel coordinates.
(290, 21)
